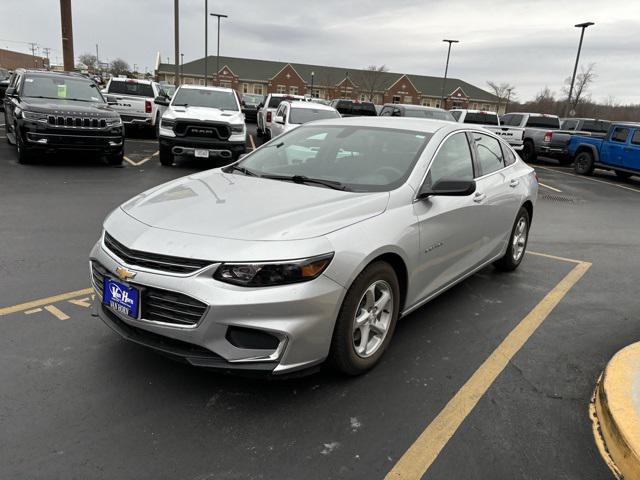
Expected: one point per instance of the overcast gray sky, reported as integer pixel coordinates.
(530, 44)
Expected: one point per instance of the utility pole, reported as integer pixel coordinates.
(67, 34)
(346, 79)
(33, 47)
(176, 40)
(206, 39)
(583, 26)
(219, 16)
(181, 68)
(446, 70)
(97, 59)
(506, 107)
(47, 51)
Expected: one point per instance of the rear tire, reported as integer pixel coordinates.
(583, 164)
(166, 157)
(623, 175)
(362, 333)
(529, 151)
(517, 243)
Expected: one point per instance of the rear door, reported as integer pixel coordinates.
(497, 188)
(632, 157)
(613, 150)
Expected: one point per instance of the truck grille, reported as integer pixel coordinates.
(76, 122)
(164, 263)
(219, 131)
(156, 304)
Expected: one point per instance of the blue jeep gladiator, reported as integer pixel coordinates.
(619, 151)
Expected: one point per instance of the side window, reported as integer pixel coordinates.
(456, 115)
(620, 134)
(452, 162)
(386, 112)
(515, 121)
(488, 152)
(636, 138)
(509, 156)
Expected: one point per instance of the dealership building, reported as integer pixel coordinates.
(265, 76)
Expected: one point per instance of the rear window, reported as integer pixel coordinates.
(131, 88)
(433, 114)
(543, 122)
(596, 126)
(275, 101)
(481, 118)
(304, 115)
(364, 109)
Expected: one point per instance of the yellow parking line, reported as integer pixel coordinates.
(253, 145)
(43, 301)
(419, 457)
(550, 188)
(55, 311)
(590, 179)
(554, 257)
(81, 302)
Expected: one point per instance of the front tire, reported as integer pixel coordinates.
(583, 164)
(366, 321)
(25, 154)
(116, 159)
(166, 157)
(517, 243)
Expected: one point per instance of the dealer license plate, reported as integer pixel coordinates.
(121, 298)
(201, 153)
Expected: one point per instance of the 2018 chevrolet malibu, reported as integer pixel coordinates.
(311, 247)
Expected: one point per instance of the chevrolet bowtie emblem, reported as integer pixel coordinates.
(124, 274)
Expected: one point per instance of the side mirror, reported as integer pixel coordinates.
(10, 92)
(448, 188)
(280, 119)
(161, 100)
(243, 103)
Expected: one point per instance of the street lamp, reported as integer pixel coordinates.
(181, 68)
(312, 75)
(219, 16)
(446, 69)
(506, 107)
(582, 26)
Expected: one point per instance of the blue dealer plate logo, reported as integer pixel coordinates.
(121, 298)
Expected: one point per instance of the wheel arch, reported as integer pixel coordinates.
(585, 147)
(528, 206)
(399, 265)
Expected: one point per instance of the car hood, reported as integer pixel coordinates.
(64, 106)
(203, 114)
(232, 206)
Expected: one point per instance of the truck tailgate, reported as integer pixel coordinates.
(129, 105)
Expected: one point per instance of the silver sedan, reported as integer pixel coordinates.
(314, 245)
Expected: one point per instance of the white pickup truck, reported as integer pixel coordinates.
(514, 136)
(134, 100)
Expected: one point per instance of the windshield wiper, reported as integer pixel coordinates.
(246, 171)
(303, 179)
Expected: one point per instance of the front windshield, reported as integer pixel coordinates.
(61, 87)
(304, 115)
(361, 158)
(200, 97)
(433, 114)
(252, 99)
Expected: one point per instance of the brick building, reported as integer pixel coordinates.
(12, 60)
(264, 76)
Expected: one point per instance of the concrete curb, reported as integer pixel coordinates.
(615, 413)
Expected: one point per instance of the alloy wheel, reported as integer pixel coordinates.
(372, 318)
(519, 240)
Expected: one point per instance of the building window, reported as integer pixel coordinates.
(437, 105)
(225, 84)
(201, 81)
(485, 107)
(281, 89)
(426, 102)
(315, 93)
(363, 97)
(293, 90)
(408, 99)
(396, 99)
(245, 88)
(257, 89)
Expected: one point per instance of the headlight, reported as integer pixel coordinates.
(167, 123)
(263, 274)
(237, 128)
(114, 122)
(35, 116)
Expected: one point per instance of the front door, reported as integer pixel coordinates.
(613, 151)
(632, 157)
(450, 228)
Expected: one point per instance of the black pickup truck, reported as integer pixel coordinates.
(4, 83)
(53, 111)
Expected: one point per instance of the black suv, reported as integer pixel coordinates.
(353, 108)
(52, 111)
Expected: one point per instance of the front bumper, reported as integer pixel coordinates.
(301, 316)
(110, 140)
(187, 146)
(136, 120)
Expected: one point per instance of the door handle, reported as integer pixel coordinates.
(514, 183)
(478, 197)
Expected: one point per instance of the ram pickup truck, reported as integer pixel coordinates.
(559, 139)
(538, 130)
(267, 110)
(202, 122)
(619, 151)
(490, 121)
(134, 101)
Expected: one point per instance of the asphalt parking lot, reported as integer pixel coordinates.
(490, 380)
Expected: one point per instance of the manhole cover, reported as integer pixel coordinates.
(558, 198)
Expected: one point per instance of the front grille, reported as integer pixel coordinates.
(154, 261)
(212, 130)
(76, 122)
(156, 304)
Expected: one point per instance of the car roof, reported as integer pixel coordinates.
(531, 114)
(625, 124)
(472, 111)
(131, 80)
(411, 106)
(425, 125)
(202, 87)
(49, 72)
(311, 106)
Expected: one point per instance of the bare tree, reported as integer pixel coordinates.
(89, 60)
(580, 89)
(504, 91)
(119, 67)
(369, 79)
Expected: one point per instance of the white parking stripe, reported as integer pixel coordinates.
(253, 145)
(589, 178)
(550, 188)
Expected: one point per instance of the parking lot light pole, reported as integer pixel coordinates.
(312, 75)
(176, 40)
(181, 68)
(219, 16)
(446, 70)
(206, 39)
(583, 27)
